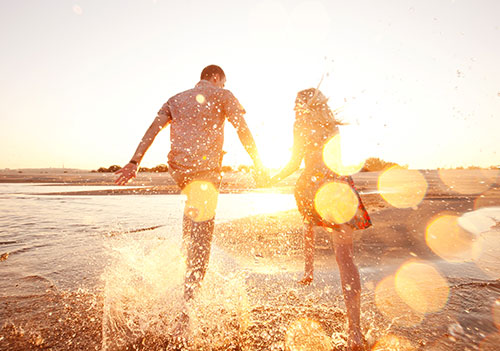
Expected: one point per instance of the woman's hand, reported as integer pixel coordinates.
(261, 177)
(126, 173)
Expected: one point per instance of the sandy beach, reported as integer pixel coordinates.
(269, 247)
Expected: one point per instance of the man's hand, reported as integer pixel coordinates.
(261, 176)
(126, 173)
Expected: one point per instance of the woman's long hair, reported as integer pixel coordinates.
(312, 105)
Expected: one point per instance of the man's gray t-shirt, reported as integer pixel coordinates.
(197, 119)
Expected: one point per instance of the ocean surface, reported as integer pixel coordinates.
(105, 272)
(66, 239)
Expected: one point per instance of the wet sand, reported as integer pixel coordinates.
(146, 183)
(269, 247)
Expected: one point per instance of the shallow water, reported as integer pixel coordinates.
(81, 274)
(64, 239)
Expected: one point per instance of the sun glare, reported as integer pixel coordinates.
(337, 160)
(274, 158)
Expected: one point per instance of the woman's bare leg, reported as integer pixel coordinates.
(308, 255)
(351, 284)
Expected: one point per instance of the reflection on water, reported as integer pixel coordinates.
(132, 282)
(63, 238)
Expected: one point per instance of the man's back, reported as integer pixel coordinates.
(197, 119)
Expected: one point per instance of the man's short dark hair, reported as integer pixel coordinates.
(210, 71)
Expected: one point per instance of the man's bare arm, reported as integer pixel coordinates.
(129, 171)
(295, 161)
(246, 138)
(248, 142)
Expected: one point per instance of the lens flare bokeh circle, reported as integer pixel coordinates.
(468, 181)
(336, 202)
(402, 188)
(392, 306)
(447, 239)
(421, 287)
(332, 156)
(201, 200)
(200, 99)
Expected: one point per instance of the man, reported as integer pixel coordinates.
(197, 119)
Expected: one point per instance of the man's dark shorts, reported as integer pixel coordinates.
(183, 178)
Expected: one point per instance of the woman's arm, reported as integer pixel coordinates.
(293, 165)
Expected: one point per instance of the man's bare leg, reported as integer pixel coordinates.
(308, 255)
(197, 239)
(198, 254)
(351, 285)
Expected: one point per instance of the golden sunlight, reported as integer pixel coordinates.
(306, 335)
(402, 188)
(201, 200)
(272, 157)
(336, 159)
(275, 147)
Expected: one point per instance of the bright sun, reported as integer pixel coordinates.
(274, 157)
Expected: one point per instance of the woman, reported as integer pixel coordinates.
(326, 199)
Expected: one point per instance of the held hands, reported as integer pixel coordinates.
(262, 177)
(126, 173)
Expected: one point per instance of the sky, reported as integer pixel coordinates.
(418, 82)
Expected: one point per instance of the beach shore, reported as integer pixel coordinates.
(269, 247)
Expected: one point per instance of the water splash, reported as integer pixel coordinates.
(143, 295)
(142, 290)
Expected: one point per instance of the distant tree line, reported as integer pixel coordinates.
(473, 167)
(372, 164)
(111, 169)
(375, 164)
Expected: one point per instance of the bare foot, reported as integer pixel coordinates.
(356, 342)
(307, 280)
(179, 333)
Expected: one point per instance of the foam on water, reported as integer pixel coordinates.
(481, 220)
(143, 295)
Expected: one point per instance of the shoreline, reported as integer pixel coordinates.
(268, 248)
